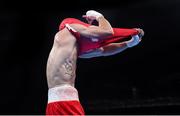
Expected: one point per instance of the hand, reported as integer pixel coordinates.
(93, 14)
(141, 32)
(89, 19)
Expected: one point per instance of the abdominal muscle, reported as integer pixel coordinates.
(61, 65)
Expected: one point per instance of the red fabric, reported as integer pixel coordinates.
(71, 21)
(119, 34)
(87, 44)
(64, 108)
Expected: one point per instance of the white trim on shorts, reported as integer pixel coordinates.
(62, 93)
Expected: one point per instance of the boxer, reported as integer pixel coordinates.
(78, 39)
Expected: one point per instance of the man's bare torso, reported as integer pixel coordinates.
(61, 65)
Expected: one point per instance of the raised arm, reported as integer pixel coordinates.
(103, 29)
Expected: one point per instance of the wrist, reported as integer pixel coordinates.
(99, 18)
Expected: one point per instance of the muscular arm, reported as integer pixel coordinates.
(91, 54)
(112, 48)
(108, 50)
(104, 29)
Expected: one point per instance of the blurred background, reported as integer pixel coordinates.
(141, 80)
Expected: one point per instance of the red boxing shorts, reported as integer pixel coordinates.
(63, 100)
(89, 44)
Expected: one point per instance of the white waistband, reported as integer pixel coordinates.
(62, 93)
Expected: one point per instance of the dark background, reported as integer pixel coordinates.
(142, 80)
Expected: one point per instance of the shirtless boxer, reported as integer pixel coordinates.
(68, 46)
